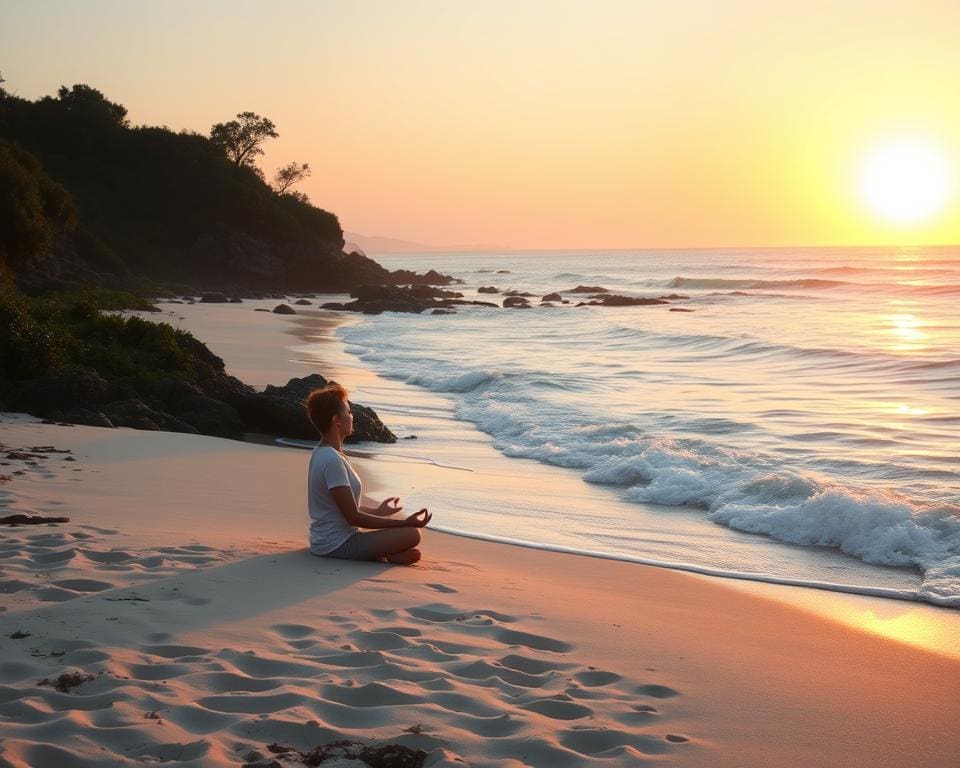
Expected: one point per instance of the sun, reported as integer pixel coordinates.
(906, 181)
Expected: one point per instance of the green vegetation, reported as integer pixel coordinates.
(34, 210)
(65, 333)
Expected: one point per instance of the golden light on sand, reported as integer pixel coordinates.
(906, 181)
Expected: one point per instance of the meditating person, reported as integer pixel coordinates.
(333, 495)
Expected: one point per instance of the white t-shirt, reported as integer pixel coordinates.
(329, 469)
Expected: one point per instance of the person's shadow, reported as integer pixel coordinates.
(202, 599)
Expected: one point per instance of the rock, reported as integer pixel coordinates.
(612, 300)
(552, 297)
(588, 289)
(407, 277)
(84, 416)
(673, 296)
(516, 302)
(525, 294)
(303, 303)
(488, 289)
(61, 392)
(547, 304)
(442, 312)
(236, 300)
(213, 297)
(208, 416)
(680, 309)
(503, 271)
(284, 309)
(429, 292)
(260, 309)
(281, 411)
(136, 414)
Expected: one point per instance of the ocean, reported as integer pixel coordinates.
(799, 425)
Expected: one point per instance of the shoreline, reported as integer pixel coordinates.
(183, 587)
(855, 606)
(207, 610)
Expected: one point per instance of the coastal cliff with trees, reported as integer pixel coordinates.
(89, 197)
(98, 215)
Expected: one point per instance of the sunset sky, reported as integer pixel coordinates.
(545, 124)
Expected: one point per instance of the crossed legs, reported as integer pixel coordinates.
(395, 545)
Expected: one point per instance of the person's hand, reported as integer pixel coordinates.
(419, 519)
(389, 506)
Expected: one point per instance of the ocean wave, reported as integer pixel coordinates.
(463, 382)
(733, 285)
(677, 458)
(749, 493)
(715, 283)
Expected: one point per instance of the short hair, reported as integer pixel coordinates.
(325, 403)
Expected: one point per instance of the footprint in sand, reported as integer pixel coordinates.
(595, 678)
(109, 557)
(174, 651)
(558, 709)
(83, 585)
(293, 631)
(657, 691)
(608, 742)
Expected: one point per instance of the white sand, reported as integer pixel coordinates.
(182, 586)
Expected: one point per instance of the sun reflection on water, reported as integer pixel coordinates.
(907, 332)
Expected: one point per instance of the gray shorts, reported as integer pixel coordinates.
(353, 549)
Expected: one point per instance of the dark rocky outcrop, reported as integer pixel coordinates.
(429, 292)
(588, 289)
(516, 302)
(280, 411)
(613, 300)
(219, 405)
(284, 309)
(525, 294)
(61, 392)
(213, 297)
(303, 303)
(488, 289)
(374, 299)
(432, 277)
(552, 297)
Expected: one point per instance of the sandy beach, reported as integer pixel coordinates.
(183, 589)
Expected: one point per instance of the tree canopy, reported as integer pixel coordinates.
(242, 139)
(34, 209)
(290, 174)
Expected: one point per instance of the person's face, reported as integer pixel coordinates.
(346, 420)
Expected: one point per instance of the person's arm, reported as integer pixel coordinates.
(387, 507)
(343, 496)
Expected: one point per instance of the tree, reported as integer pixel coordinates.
(91, 106)
(34, 210)
(241, 139)
(289, 175)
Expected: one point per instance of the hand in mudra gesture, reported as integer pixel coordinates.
(419, 519)
(389, 506)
